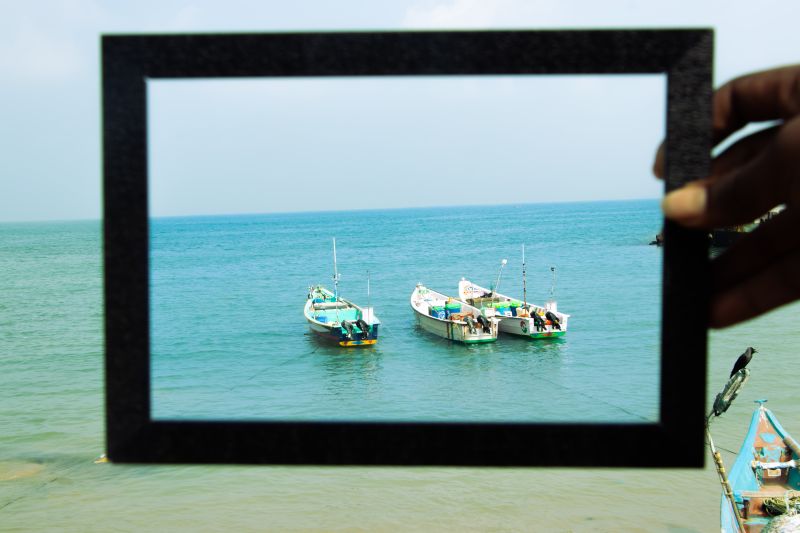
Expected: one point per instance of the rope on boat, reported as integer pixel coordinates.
(783, 524)
(779, 505)
(792, 444)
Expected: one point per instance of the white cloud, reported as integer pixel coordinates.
(455, 14)
(50, 42)
(33, 55)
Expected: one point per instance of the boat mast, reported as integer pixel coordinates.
(335, 274)
(369, 307)
(524, 285)
(553, 285)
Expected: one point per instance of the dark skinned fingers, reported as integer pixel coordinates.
(744, 193)
(768, 95)
(774, 286)
(770, 242)
(742, 152)
(658, 164)
(738, 153)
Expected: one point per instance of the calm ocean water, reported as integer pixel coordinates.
(230, 340)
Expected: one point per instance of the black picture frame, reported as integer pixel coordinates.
(128, 61)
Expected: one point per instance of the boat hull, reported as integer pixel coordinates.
(451, 330)
(526, 327)
(339, 336)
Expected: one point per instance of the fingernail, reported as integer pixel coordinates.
(687, 202)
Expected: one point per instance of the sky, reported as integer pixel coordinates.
(232, 146)
(50, 129)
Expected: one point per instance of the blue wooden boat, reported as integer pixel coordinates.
(764, 478)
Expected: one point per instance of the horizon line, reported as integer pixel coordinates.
(311, 211)
(378, 209)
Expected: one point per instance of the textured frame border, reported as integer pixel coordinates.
(685, 56)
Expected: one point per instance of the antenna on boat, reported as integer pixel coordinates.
(499, 273)
(524, 285)
(335, 274)
(553, 285)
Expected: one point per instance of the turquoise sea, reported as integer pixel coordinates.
(229, 340)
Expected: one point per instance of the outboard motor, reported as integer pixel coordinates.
(348, 328)
(364, 327)
(553, 319)
(470, 323)
(484, 324)
(537, 321)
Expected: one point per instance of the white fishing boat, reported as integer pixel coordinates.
(451, 318)
(337, 319)
(517, 317)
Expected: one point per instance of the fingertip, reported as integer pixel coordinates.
(658, 163)
(687, 204)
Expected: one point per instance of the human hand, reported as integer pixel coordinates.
(761, 271)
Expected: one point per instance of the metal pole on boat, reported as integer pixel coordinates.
(368, 300)
(721, 404)
(553, 286)
(335, 274)
(500, 273)
(524, 285)
(723, 478)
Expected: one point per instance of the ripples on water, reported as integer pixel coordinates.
(229, 340)
(51, 430)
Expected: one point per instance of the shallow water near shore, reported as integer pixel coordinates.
(52, 431)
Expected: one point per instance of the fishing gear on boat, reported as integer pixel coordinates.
(348, 327)
(553, 319)
(364, 327)
(537, 321)
(779, 505)
(470, 323)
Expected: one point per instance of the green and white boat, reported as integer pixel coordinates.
(517, 317)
